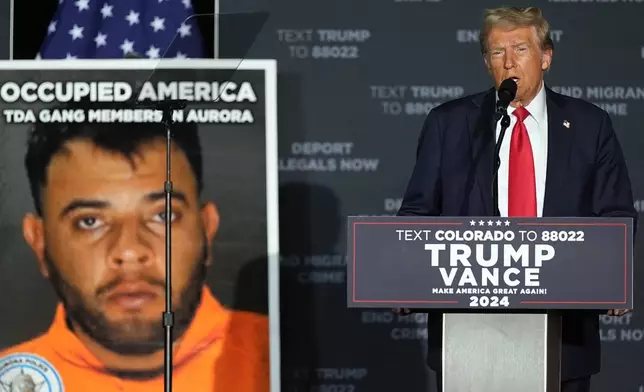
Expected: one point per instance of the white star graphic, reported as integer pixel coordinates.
(153, 52)
(180, 55)
(106, 11)
(52, 27)
(472, 223)
(82, 5)
(490, 223)
(498, 223)
(158, 24)
(70, 57)
(100, 39)
(127, 46)
(132, 17)
(76, 32)
(481, 223)
(186, 3)
(184, 30)
(507, 223)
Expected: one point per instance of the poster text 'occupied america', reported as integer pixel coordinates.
(235, 94)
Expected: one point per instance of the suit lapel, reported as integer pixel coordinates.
(560, 140)
(482, 140)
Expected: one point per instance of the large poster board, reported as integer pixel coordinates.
(82, 224)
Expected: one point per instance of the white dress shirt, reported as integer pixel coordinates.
(537, 126)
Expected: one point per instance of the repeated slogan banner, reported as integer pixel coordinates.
(355, 82)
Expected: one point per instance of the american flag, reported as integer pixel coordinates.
(86, 29)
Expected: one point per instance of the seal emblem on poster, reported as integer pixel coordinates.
(25, 372)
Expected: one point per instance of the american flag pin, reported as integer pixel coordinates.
(566, 124)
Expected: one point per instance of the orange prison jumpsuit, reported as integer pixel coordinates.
(222, 351)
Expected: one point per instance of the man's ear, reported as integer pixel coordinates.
(34, 233)
(487, 64)
(210, 222)
(546, 59)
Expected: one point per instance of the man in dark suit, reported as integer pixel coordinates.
(559, 157)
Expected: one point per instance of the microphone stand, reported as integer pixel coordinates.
(167, 108)
(501, 114)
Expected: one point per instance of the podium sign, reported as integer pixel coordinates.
(490, 263)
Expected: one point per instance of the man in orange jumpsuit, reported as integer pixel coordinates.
(99, 237)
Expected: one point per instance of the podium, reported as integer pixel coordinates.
(501, 284)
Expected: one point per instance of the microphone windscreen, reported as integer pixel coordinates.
(508, 87)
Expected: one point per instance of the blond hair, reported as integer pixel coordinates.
(513, 17)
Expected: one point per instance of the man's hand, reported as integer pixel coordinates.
(619, 312)
(403, 311)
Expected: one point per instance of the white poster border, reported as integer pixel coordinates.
(272, 187)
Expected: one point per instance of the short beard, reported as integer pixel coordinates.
(113, 337)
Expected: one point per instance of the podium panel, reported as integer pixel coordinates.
(484, 263)
(501, 352)
(501, 285)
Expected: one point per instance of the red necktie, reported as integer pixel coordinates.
(522, 194)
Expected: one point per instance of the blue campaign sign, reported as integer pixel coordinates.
(495, 263)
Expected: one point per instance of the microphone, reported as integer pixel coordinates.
(507, 91)
(164, 105)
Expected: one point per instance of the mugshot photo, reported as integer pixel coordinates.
(84, 219)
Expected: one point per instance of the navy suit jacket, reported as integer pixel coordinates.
(586, 176)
